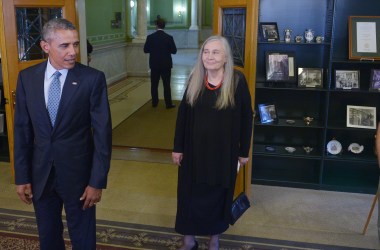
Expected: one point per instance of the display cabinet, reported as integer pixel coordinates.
(292, 150)
(4, 150)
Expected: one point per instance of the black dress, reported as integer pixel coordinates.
(211, 141)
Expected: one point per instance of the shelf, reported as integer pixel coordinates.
(286, 183)
(346, 176)
(293, 170)
(328, 106)
(281, 152)
(285, 86)
(294, 43)
(345, 61)
(353, 91)
(299, 123)
(342, 125)
(347, 156)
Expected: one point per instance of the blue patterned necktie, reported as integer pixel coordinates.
(54, 97)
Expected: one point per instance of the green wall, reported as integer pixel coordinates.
(208, 7)
(167, 10)
(99, 16)
(163, 8)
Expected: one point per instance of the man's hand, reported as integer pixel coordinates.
(25, 193)
(91, 196)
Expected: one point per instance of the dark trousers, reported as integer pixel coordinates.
(155, 75)
(48, 210)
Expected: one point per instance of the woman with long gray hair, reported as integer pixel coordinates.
(213, 133)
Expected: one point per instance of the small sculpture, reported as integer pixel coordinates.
(309, 35)
(319, 39)
(308, 120)
(288, 35)
(298, 39)
(308, 149)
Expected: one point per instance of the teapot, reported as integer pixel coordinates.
(309, 35)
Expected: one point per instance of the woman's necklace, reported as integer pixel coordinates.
(210, 86)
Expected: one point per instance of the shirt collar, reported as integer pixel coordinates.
(50, 70)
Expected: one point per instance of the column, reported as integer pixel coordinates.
(81, 7)
(128, 20)
(141, 21)
(136, 48)
(194, 15)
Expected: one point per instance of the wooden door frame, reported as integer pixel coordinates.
(10, 63)
(249, 70)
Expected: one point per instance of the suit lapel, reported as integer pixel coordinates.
(69, 89)
(39, 94)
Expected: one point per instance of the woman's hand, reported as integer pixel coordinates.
(177, 158)
(243, 160)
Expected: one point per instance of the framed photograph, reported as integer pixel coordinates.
(268, 113)
(269, 31)
(280, 67)
(375, 79)
(361, 117)
(310, 77)
(363, 33)
(347, 79)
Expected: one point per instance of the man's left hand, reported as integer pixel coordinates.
(91, 196)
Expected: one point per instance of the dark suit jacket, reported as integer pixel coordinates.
(160, 46)
(79, 145)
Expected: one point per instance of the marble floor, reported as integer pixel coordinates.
(142, 189)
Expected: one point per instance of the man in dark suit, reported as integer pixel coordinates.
(160, 46)
(62, 139)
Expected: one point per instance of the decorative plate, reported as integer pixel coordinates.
(334, 147)
(290, 149)
(355, 148)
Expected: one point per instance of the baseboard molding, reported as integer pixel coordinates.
(116, 78)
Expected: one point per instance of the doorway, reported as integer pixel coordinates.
(146, 128)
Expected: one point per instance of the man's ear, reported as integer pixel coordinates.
(45, 46)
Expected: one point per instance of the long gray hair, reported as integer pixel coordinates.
(55, 24)
(196, 79)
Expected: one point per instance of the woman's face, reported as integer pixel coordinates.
(213, 56)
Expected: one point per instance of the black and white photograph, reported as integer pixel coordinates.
(310, 77)
(280, 67)
(269, 31)
(268, 113)
(347, 79)
(375, 79)
(361, 117)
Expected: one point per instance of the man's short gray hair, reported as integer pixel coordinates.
(53, 25)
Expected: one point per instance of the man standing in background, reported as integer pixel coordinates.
(160, 46)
